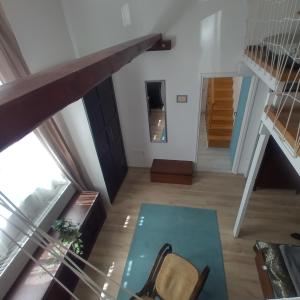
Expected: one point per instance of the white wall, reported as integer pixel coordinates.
(74, 124)
(253, 128)
(209, 39)
(40, 28)
(97, 24)
(41, 31)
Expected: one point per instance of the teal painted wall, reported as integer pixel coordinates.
(239, 116)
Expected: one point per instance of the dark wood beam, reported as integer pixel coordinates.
(161, 45)
(26, 103)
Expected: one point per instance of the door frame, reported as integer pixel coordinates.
(246, 118)
(202, 76)
(245, 124)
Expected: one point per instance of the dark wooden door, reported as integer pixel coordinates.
(276, 172)
(101, 108)
(107, 100)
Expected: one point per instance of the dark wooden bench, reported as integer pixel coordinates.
(172, 171)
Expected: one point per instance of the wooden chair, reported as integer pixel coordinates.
(173, 278)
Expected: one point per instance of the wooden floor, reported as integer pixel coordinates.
(259, 57)
(272, 216)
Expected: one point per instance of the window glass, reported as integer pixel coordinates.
(31, 179)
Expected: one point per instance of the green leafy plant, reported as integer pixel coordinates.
(69, 235)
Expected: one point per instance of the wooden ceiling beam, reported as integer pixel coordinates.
(26, 103)
(161, 45)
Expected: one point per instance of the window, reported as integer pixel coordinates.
(31, 179)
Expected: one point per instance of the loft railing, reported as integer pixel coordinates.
(57, 250)
(273, 46)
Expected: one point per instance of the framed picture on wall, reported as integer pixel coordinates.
(182, 98)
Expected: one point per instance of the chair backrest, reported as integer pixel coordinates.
(149, 287)
(173, 278)
(178, 279)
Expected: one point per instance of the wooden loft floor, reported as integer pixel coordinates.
(267, 65)
(291, 132)
(271, 216)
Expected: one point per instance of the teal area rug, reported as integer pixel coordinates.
(193, 234)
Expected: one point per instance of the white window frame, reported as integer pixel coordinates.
(17, 264)
(19, 260)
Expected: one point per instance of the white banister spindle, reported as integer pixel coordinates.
(255, 165)
(57, 250)
(273, 44)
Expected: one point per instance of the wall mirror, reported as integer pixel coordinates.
(156, 103)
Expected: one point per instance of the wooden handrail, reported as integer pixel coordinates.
(26, 103)
(210, 103)
(212, 100)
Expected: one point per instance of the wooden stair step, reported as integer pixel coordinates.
(222, 112)
(218, 144)
(223, 82)
(215, 124)
(223, 94)
(219, 141)
(223, 86)
(222, 118)
(222, 107)
(219, 138)
(220, 132)
(223, 79)
(223, 99)
(225, 104)
(218, 126)
(224, 89)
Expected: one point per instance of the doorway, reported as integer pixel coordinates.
(220, 100)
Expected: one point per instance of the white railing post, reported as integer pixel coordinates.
(255, 165)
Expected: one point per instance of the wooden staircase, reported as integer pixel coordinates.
(219, 112)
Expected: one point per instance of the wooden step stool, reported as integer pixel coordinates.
(172, 171)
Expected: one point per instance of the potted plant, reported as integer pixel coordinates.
(69, 234)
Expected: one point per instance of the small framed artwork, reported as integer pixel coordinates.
(182, 98)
